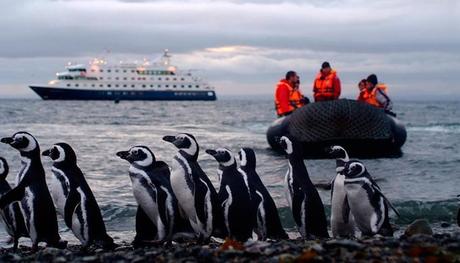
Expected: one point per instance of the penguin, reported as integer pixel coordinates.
(342, 223)
(195, 193)
(31, 190)
(303, 198)
(268, 223)
(11, 214)
(368, 205)
(234, 196)
(152, 190)
(75, 200)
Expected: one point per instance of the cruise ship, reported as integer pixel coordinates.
(101, 80)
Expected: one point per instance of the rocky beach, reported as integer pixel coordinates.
(416, 248)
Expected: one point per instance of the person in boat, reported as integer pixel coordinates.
(376, 94)
(362, 85)
(288, 96)
(326, 85)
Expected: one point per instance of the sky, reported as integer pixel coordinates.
(243, 46)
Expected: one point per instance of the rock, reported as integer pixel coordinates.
(445, 225)
(419, 227)
(345, 243)
(89, 259)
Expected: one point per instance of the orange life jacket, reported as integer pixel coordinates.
(283, 98)
(371, 97)
(326, 87)
(296, 98)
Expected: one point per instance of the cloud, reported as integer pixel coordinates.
(242, 43)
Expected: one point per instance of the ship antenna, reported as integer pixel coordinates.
(166, 57)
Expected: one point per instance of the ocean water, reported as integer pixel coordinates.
(423, 183)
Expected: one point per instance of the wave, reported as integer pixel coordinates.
(437, 128)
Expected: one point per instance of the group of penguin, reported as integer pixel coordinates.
(180, 200)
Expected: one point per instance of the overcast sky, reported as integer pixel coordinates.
(244, 47)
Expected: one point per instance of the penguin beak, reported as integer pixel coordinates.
(213, 153)
(123, 154)
(7, 140)
(46, 152)
(328, 150)
(169, 138)
(172, 139)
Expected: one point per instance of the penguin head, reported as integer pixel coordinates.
(354, 169)
(288, 145)
(3, 168)
(223, 156)
(338, 152)
(61, 153)
(23, 142)
(247, 158)
(184, 142)
(139, 155)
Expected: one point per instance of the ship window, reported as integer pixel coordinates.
(143, 86)
(159, 78)
(109, 70)
(68, 85)
(93, 70)
(182, 79)
(167, 86)
(124, 86)
(159, 86)
(116, 70)
(133, 78)
(167, 79)
(116, 85)
(197, 86)
(101, 78)
(182, 86)
(116, 78)
(132, 71)
(125, 78)
(132, 86)
(109, 78)
(101, 70)
(174, 79)
(189, 86)
(174, 86)
(109, 85)
(139, 78)
(151, 86)
(92, 85)
(101, 85)
(124, 71)
(76, 85)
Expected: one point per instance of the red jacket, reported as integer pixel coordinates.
(326, 87)
(282, 98)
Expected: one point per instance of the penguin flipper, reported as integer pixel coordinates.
(15, 194)
(297, 207)
(201, 191)
(73, 200)
(346, 210)
(387, 201)
(165, 217)
(145, 229)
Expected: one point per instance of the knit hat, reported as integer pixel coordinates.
(325, 65)
(372, 79)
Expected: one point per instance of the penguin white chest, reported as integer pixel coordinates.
(79, 219)
(181, 188)
(146, 197)
(59, 187)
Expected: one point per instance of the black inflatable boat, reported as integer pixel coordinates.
(365, 131)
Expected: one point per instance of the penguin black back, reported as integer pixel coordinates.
(11, 214)
(306, 204)
(31, 188)
(80, 202)
(234, 196)
(267, 218)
